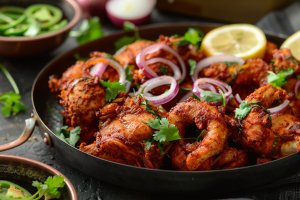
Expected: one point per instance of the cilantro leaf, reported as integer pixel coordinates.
(211, 96)
(274, 144)
(164, 70)
(74, 136)
(112, 89)
(88, 31)
(223, 97)
(78, 57)
(196, 97)
(183, 42)
(279, 79)
(128, 26)
(165, 132)
(184, 90)
(123, 41)
(11, 103)
(193, 36)
(193, 65)
(107, 55)
(128, 70)
(148, 142)
(230, 63)
(243, 110)
(149, 108)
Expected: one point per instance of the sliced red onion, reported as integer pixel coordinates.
(141, 62)
(156, 82)
(128, 86)
(296, 88)
(176, 71)
(279, 108)
(238, 99)
(215, 59)
(197, 89)
(186, 96)
(98, 69)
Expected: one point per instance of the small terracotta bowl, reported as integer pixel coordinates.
(29, 46)
(23, 171)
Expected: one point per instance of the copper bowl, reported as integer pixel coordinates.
(23, 171)
(29, 46)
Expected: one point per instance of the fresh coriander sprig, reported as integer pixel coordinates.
(71, 137)
(10, 100)
(112, 89)
(193, 65)
(274, 144)
(279, 79)
(245, 108)
(192, 36)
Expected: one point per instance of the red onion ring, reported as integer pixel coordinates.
(128, 86)
(98, 69)
(186, 96)
(238, 99)
(176, 71)
(196, 89)
(296, 87)
(159, 81)
(141, 62)
(215, 59)
(279, 108)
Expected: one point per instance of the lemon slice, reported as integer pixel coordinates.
(242, 40)
(293, 43)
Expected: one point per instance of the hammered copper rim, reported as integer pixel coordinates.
(75, 19)
(42, 166)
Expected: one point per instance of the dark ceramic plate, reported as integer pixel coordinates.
(150, 180)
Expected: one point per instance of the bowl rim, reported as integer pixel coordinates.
(42, 166)
(73, 22)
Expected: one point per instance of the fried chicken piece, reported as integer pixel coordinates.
(283, 60)
(231, 158)
(122, 140)
(72, 73)
(128, 54)
(187, 156)
(81, 100)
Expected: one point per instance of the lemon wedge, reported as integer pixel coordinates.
(293, 43)
(242, 40)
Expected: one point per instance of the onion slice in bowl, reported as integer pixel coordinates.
(156, 82)
(279, 108)
(215, 59)
(142, 64)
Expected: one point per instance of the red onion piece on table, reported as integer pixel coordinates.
(215, 59)
(156, 82)
(279, 108)
(141, 62)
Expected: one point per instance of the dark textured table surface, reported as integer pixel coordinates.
(24, 71)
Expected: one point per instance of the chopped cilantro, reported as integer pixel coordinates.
(88, 31)
(196, 97)
(274, 144)
(164, 131)
(149, 109)
(211, 96)
(184, 90)
(125, 40)
(107, 55)
(128, 70)
(193, 65)
(176, 36)
(272, 62)
(230, 63)
(192, 36)
(148, 142)
(142, 92)
(48, 188)
(279, 79)
(128, 26)
(112, 89)
(164, 70)
(10, 100)
(71, 137)
(243, 110)
(78, 57)
(223, 97)
(293, 59)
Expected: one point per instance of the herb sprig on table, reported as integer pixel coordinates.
(10, 100)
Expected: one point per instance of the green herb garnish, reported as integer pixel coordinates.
(196, 97)
(243, 110)
(56, 115)
(125, 40)
(149, 108)
(89, 30)
(78, 57)
(164, 70)
(192, 36)
(71, 137)
(193, 65)
(129, 71)
(274, 144)
(112, 89)
(279, 79)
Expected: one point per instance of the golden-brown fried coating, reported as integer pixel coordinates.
(128, 54)
(231, 158)
(122, 139)
(206, 117)
(72, 73)
(283, 60)
(81, 100)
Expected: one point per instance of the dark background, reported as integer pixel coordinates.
(24, 71)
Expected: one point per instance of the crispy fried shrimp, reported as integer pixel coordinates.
(206, 117)
(81, 100)
(283, 60)
(121, 140)
(72, 73)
